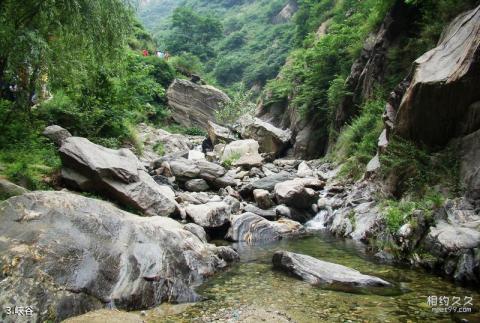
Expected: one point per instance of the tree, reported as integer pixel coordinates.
(47, 39)
(192, 33)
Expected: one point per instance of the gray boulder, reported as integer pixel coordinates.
(299, 192)
(196, 230)
(249, 227)
(321, 273)
(9, 189)
(77, 254)
(219, 134)
(263, 198)
(209, 215)
(193, 105)
(184, 169)
(56, 134)
(269, 214)
(170, 143)
(196, 185)
(443, 86)
(116, 174)
(270, 138)
(267, 183)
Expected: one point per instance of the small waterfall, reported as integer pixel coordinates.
(318, 222)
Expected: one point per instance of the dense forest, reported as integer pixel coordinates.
(171, 151)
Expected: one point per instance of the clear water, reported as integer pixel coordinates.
(253, 282)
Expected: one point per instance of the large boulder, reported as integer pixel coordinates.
(9, 189)
(443, 85)
(116, 174)
(193, 105)
(270, 138)
(219, 134)
(64, 254)
(250, 227)
(298, 192)
(158, 142)
(321, 273)
(470, 165)
(184, 169)
(196, 185)
(209, 215)
(56, 134)
(267, 183)
(236, 149)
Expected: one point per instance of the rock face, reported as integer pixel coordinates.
(78, 254)
(370, 68)
(193, 105)
(116, 174)
(442, 87)
(307, 140)
(454, 241)
(286, 13)
(249, 227)
(321, 273)
(470, 165)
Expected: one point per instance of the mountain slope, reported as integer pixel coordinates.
(257, 36)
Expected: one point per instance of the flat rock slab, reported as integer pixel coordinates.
(320, 273)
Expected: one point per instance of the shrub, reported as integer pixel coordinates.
(240, 105)
(357, 143)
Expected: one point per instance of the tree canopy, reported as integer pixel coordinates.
(192, 32)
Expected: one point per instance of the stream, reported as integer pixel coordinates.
(253, 285)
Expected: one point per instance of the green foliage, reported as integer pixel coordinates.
(119, 95)
(398, 212)
(159, 148)
(357, 143)
(57, 38)
(186, 64)
(176, 128)
(240, 105)
(192, 32)
(251, 48)
(417, 170)
(231, 160)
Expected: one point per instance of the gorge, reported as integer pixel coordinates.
(306, 161)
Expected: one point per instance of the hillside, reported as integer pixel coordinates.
(289, 161)
(253, 44)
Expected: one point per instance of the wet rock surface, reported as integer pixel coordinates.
(321, 273)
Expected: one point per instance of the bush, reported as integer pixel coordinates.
(187, 64)
(357, 143)
(240, 105)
